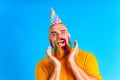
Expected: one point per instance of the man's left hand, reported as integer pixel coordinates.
(74, 53)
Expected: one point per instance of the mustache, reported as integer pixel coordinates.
(62, 39)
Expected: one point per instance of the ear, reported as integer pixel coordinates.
(69, 35)
(49, 38)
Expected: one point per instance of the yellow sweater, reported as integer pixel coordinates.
(84, 60)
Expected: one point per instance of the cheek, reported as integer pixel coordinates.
(67, 39)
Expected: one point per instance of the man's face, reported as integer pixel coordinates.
(58, 35)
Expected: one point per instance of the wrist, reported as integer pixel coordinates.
(58, 67)
(72, 62)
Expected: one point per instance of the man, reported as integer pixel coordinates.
(65, 62)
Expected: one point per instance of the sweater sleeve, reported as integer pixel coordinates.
(41, 73)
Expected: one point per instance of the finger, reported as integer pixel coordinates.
(76, 44)
(48, 51)
(76, 47)
(76, 52)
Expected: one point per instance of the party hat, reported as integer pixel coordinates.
(54, 19)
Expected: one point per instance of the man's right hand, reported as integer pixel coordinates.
(57, 65)
(55, 62)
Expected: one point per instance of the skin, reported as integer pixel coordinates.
(57, 32)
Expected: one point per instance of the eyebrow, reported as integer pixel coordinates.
(62, 30)
(55, 31)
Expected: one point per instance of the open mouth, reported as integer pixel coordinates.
(61, 42)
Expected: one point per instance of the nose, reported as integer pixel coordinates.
(59, 35)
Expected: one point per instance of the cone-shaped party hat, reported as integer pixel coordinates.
(54, 19)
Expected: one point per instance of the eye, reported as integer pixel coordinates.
(63, 32)
(53, 34)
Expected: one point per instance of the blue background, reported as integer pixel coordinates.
(24, 31)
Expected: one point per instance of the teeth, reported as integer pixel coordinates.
(61, 43)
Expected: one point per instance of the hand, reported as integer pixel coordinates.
(55, 62)
(74, 53)
(57, 65)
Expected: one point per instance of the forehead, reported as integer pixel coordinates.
(57, 27)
